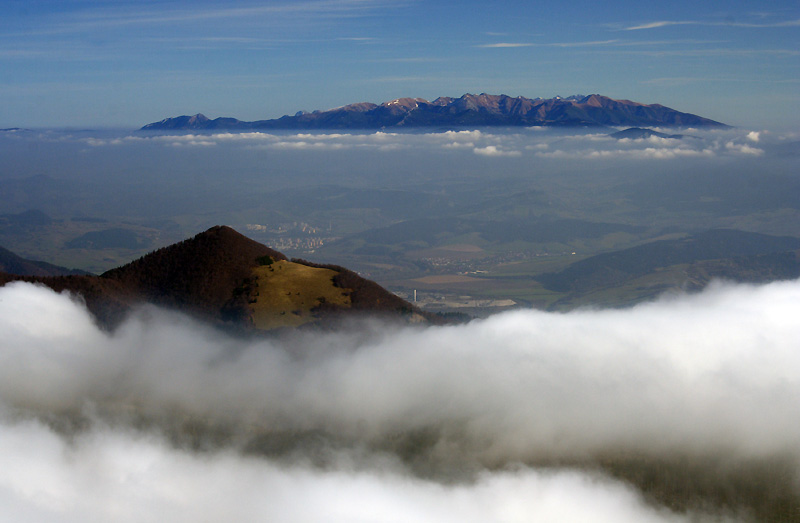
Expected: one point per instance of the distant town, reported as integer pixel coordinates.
(291, 236)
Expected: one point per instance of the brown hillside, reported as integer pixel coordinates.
(199, 275)
(367, 296)
(225, 277)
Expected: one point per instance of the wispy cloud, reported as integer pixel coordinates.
(682, 41)
(275, 13)
(408, 60)
(392, 79)
(663, 23)
(358, 39)
(493, 150)
(583, 44)
(716, 52)
(24, 54)
(688, 80)
(597, 43)
(307, 8)
(786, 23)
(666, 23)
(502, 45)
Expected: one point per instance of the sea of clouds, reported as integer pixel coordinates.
(534, 142)
(510, 418)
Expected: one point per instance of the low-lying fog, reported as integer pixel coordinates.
(681, 409)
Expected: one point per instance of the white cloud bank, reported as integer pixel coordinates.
(357, 413)
(115, 476)
(493, 150)
(534, 142)
(743, 148)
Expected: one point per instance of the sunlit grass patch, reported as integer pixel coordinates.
(285, 293)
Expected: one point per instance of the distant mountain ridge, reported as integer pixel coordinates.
(469, 110)
(13, 264)
(726, 247)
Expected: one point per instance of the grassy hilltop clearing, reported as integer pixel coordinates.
(287, 294)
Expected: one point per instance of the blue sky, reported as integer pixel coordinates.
(126, 63)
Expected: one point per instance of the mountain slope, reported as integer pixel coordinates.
(467, 111)
(614, 268)
(13, 264)
(196, 275)
(223, 276)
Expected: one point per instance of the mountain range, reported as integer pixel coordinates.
(223, 277)
(469, 110)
